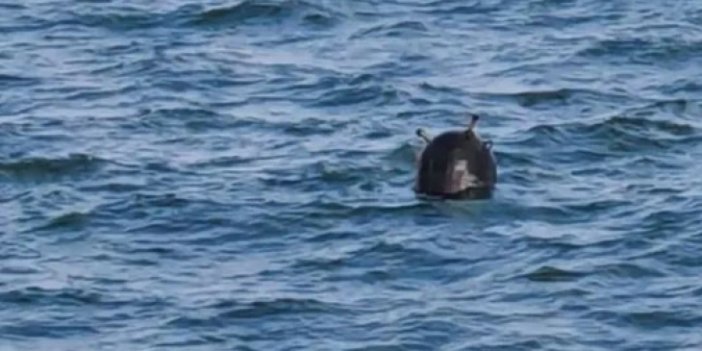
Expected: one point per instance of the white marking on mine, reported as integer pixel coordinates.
(462, 177)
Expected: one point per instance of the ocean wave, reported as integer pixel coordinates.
(219, 174)
(122, 20)
(46, 297)
(226, 311)
(647, 318)
(337, 90)
(545, 97)
(8, 81)
(399, 29)
(72, 220)
(553, 274)
(193, 119)
(40, 168)
(396, 252)
(619, 133)
(130, 18)
(628, 270)
(12, 6)
(457, 8)
(249, 11)
(378, 94)
(641, 49)
(54, 330)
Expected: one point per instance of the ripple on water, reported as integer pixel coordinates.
(39, 168)
(238, 176)
(261, 12)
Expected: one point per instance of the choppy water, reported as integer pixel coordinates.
(236, 175)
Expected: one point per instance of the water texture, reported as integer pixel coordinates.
(236, 175)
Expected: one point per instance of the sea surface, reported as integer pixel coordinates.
(237, 175)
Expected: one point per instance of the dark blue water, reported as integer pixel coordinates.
(236, 175)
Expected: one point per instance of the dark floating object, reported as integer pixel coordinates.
(456, 165)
